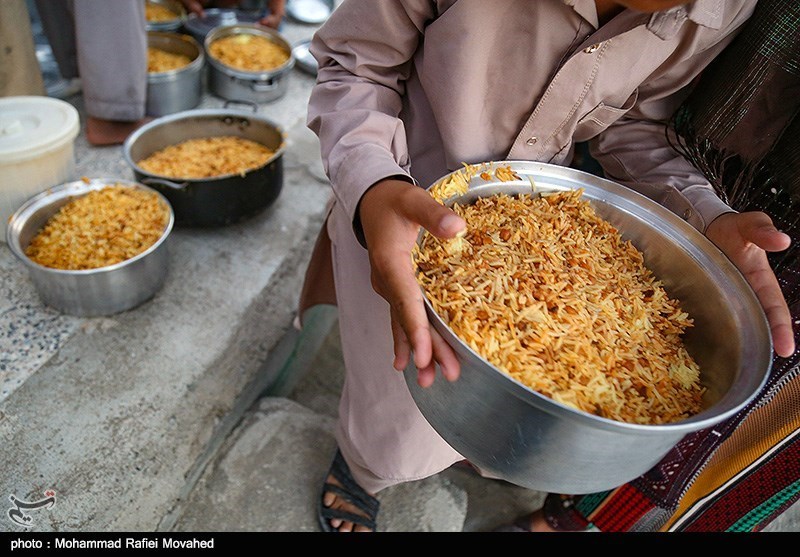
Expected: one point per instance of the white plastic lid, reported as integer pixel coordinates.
(31, 126)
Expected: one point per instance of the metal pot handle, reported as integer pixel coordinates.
(251, 104)
(162, 182)
(264, 87)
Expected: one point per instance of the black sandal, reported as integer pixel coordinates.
(351, 492)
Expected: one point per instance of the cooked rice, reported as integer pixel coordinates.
(156, 12)
(549, 293)
(101, 228)
(207, 157)
(159, 60)
(248, 52)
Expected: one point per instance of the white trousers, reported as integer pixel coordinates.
(105, 43)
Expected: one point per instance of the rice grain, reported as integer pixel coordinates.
(548, 292)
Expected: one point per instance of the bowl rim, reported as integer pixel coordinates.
(680, 227)
(81, 188)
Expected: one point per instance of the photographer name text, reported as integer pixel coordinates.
(113, 543)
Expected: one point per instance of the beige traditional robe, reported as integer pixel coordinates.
(415, 88)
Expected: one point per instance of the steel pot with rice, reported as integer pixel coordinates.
(587, 350)
(94, 247)
(175, 64)
(164, 15)
(248, 62)
(215, 166)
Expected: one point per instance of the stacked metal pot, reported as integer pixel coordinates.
(174, 96)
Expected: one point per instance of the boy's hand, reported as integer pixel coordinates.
(746, 238)
(392, 212)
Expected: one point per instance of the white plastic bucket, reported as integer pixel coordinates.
(37, 149)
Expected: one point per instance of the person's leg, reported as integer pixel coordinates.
(381, 433)
(58, 25)
(112, 60)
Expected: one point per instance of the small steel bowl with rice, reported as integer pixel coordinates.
(94, 247)
(553, 442)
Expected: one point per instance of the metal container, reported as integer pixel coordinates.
(513, 432)
(176, 7)
(218, 201)
(310, 11)
(199, 27)
(94, 292)
(237, 85)
(303, 57)
(180, 89)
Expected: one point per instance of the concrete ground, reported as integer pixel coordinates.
(203, 409)
(269, 472)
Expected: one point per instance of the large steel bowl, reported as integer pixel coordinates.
(513, 432)
(92, 292)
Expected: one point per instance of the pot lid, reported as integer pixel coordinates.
(32, 125)
(215, 17)
(304, 58)
(309, 11)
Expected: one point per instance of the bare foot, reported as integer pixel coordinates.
(111, 132)
(331, 500)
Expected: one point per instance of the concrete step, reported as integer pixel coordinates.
(269, 473)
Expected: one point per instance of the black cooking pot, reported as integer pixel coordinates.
(218, 201)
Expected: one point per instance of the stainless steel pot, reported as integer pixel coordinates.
(237, 85)
(179, 89)
(219, 201)
(513, 432)
(174, 6)
(94, 292)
